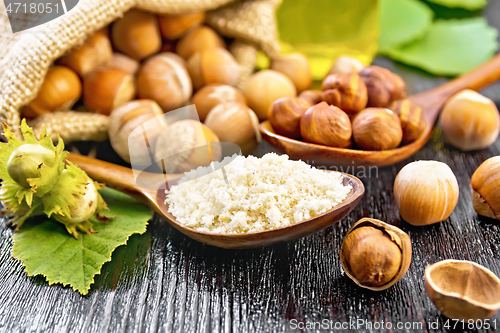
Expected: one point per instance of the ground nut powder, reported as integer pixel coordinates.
(260, 194)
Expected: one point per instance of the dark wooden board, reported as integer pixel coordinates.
(163, 281)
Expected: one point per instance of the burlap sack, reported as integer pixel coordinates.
(26, 56)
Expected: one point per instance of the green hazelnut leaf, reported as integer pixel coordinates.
(401, 22)
(466, 4)
(47, 249)
(450, 47)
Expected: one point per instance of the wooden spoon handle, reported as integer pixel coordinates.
(433, 100)
(115, 176)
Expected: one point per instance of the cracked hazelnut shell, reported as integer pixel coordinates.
(463, 290)
(375, 255)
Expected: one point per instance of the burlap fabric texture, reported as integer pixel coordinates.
(26, 56)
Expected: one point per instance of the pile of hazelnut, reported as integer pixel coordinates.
(358, 106)
(143, 65)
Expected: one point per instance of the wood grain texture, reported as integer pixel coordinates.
(163, 281)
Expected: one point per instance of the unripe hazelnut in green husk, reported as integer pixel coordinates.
(26, 161)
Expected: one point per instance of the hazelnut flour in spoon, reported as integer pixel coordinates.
(254, 194)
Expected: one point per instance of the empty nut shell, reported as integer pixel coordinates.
(383, 86)
(375, 255)
(485, 189)
(377, 129)
(413, 121)
(463, 290)
(285, 115)
(326, 125)
(345, 91)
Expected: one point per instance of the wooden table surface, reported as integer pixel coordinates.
(164, 281)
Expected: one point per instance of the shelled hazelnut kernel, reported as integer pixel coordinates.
(95, 51)
(164, 79)
(470, 121)
(234, 122)
(264, 87)
(426, 192)
(375, 255)
(174, 26)
(137, 34)
(199, 39)
(60, 90)
(345, 91)
(485, 189)
(327, 125)
(377, 129)
(285, 115)
(383, 86)
(214, 94)
(213, 66)
(413, 121)
(107, 88)
(312, 97)
(346, 65)
(127, 118)
(296, 67)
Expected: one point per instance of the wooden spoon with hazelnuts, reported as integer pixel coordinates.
(385, 127)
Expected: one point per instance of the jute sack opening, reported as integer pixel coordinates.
(26, 56)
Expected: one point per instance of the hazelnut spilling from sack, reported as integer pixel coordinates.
(44, 71)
